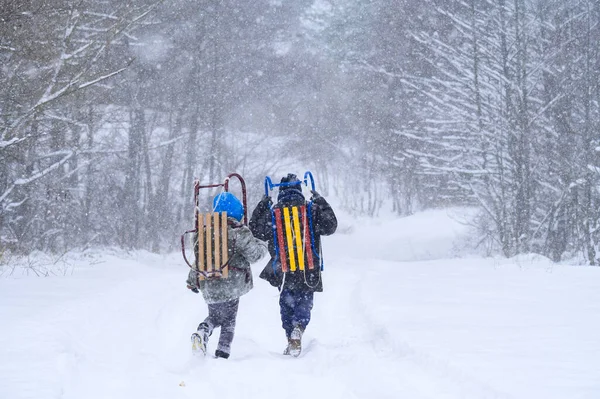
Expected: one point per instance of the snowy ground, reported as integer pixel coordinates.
(400, 317)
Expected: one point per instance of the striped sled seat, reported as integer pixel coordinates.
(212, 257)
(292, 231)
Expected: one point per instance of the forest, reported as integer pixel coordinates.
(109, 110)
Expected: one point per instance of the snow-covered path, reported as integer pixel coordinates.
(404, 324)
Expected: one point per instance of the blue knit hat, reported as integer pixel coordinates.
(227, 202)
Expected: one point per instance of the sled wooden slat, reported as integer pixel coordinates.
(290, 241)
(212, 245)
(209, 242)
(294, 238)
(200, 261)
(224, 247)
(217, 241)
(280, 241)
(307, 240)
(298, 237)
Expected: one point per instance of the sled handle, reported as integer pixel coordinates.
(269, 185)
(243, 184)
(225, 185)
(183, 246)
(312, 180)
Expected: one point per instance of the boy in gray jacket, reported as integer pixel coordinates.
(222, 294)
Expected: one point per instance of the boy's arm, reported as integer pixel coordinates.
(248, 246)
(326, 221)
(260, 222)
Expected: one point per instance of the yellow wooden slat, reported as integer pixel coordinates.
(290, 242)
(298, 237)
(224, 241)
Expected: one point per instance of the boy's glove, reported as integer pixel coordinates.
(318, 199)
(265, 203)
(193, 288)
(192, 276)
(266, 200)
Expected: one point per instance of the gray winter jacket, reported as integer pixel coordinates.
(243, 250)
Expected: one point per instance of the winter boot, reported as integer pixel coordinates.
(220, 354)
(200, 340)
(286, 351)
(295, 341)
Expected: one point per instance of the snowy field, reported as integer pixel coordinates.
(402, 316)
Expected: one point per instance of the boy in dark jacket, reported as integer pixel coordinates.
(222, 294)
(297, 288)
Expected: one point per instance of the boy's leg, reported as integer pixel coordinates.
(205, 329)
(287, 302)
(303, 301)
(213, 320)
(227, 319)
(302, 310)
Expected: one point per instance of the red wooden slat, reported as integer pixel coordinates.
(307, 242)
(281, 242)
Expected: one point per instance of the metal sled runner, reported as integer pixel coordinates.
(211, 242)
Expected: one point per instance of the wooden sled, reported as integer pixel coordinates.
(212, 256)
(293, 232)
(211, 240)
(293, 238)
